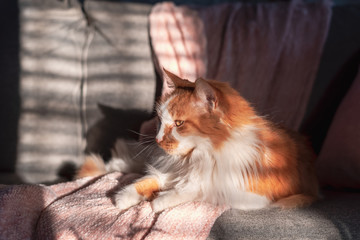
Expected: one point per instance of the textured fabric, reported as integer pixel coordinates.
(178, 40)
(336, 216)
(84, 209)
(67, 69)
(338, 164)
(268, 52)
(21, 206)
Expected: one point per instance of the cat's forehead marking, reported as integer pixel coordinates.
(166, 119)
(180, 105)
(164, 112)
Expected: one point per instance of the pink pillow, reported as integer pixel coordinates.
(339, 160)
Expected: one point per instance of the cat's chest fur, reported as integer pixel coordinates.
(216, 174)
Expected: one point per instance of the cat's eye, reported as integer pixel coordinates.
(178, 123)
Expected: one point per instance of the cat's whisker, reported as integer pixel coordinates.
(148, 138)
(142, 146)
(144, 149)
(142, 142)
(138, 133)
(149, 151)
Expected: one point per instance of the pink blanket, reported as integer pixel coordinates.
(83, 209)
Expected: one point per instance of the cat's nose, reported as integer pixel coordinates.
(158, 140)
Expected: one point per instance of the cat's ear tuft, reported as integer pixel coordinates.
(206, 93)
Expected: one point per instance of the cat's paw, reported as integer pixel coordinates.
(127, 198)
(159, 205)
(170, 199)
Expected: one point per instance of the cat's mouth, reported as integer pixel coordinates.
(177, 152)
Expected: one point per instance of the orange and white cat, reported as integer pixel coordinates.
(217, 149)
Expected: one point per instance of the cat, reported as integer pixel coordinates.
(215, 148)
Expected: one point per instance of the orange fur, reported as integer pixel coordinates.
(181, 107)
(147, 187)
(285, 172)
(295, 201)
(229, 102)
(282, 172)
(93, 166)
(169, 143)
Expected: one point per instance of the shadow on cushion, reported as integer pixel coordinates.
(336, 216)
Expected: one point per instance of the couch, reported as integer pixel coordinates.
(89, 72)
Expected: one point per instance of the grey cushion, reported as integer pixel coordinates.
(336, 216)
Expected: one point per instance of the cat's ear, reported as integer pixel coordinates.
(172, 81)
(206, 93)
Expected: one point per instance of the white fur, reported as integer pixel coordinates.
(215, 176)
(236, 159)
(166, 120)
(128, 157)
(188, 143)
(219, 177)
(127, 197)
(120, 158)
(161, 133)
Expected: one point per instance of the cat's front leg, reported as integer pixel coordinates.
(127, 197)
(143, 189)
(170, 199)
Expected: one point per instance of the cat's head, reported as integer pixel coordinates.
(198, 114)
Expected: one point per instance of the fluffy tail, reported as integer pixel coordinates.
(93, 166)
(295, 201)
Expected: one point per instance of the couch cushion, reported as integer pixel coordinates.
(336, 216)
(59, 53)
(339, 160)
(260, 49)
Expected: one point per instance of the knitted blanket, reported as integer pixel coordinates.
(84, 209)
